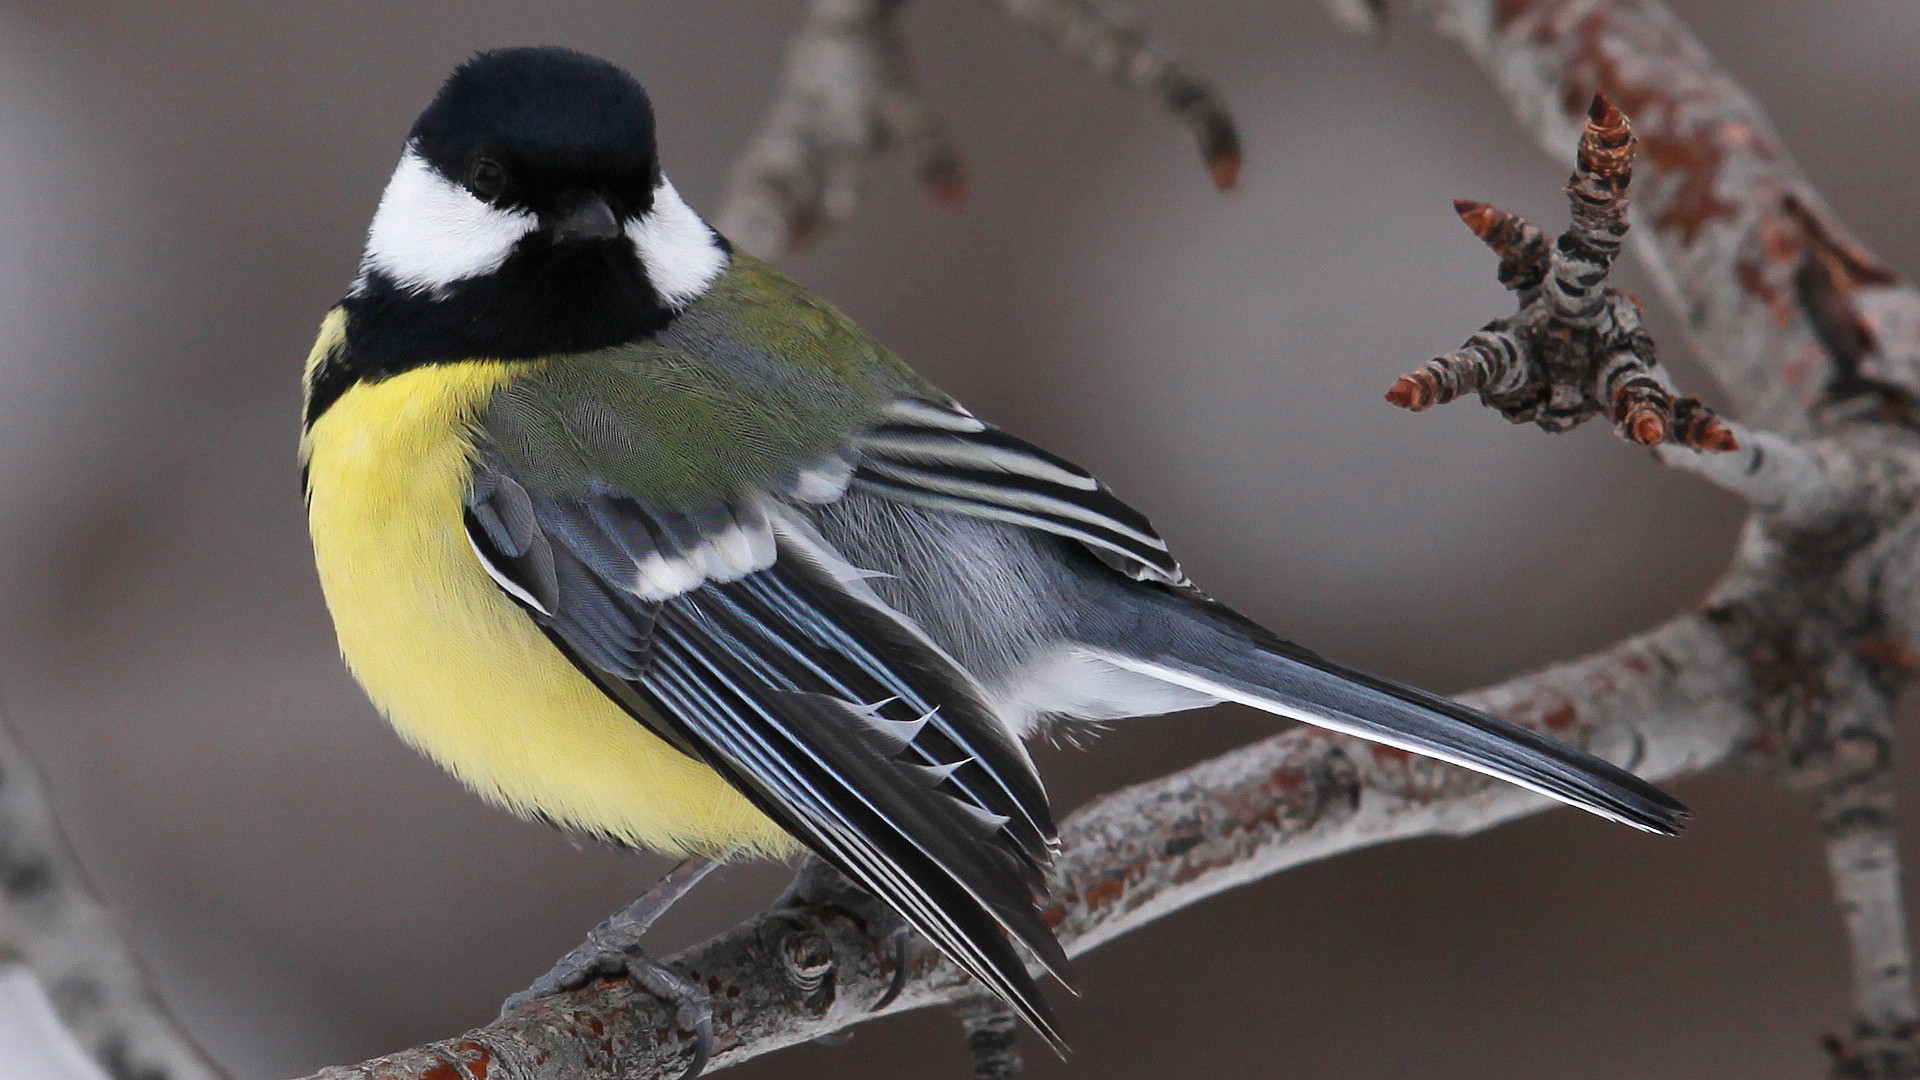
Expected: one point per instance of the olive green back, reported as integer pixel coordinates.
(753, 380)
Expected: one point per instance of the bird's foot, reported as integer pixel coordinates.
(613, 948)
(692, 1007)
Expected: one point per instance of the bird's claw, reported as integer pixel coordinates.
(613, 948)
(692, 1007)
(818, 883)
(516, 1002)
(691, 1003)
(574, 971)
(902, 938)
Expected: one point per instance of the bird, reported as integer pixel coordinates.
(639, 537)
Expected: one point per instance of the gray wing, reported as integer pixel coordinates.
(739, 637)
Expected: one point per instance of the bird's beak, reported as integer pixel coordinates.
(589, 219)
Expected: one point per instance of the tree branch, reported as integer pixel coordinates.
(992, 1037)
(1863, 856)
(1794, 318)
(1820, 343)
(52, 919)
(1575, 349)
(847, 98)
(1667, 704)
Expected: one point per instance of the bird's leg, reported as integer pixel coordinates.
(818, 883)
(613, 948)
(610, 947)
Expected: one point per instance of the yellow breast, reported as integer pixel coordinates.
(463, 673)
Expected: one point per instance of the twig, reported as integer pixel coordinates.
(51, 917)
(1576, 347)
(1765, 469)
(847, 97)
(1795, 320)
(1862, 480)
(1098, 36)
(1667, 704)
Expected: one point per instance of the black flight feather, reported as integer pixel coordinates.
(824, 709)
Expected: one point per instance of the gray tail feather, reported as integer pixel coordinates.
(1205, 646)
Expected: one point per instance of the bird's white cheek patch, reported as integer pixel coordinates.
(430, 232)
(681, 254)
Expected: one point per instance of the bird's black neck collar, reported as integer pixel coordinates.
(535, 305)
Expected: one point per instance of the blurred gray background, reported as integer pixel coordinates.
(183, 192)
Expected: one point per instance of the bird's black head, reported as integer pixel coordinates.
(547, 131)
(528, 217)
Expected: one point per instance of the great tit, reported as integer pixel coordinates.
(637, 536)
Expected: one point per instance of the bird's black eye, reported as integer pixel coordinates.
(486, 178)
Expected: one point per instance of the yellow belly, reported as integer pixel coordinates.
(463, 673)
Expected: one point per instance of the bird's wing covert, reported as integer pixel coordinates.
(936, 454)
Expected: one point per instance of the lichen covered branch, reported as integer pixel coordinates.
(1827, 672)
(1864, 859)
(1576, 348)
